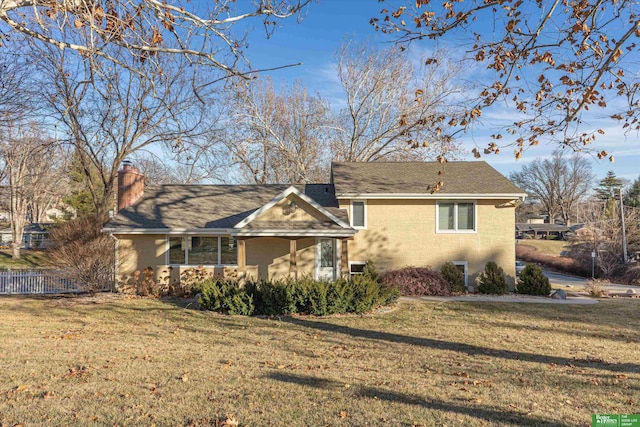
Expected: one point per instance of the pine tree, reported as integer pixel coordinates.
(609, 186)
(81, 198)
(632, 196)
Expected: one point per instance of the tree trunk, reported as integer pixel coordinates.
(15, 250)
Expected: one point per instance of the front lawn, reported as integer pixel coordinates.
(28, 259)
(112, 360)
(548, 247)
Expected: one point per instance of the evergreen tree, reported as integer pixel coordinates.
(609, 186)
(632, 195)
(81, 199)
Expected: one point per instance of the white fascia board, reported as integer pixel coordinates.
(439, 196)
(172, 231)
(282, 196)
(294, 233)
(230, 232)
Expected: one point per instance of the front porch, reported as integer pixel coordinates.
(273, 257)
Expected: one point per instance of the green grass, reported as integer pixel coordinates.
(549, 247)
(110, 360)
(28, 259)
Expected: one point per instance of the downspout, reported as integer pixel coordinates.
(115, 266)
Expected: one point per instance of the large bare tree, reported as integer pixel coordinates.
(200, 163)
(33, 166)
(278, 136)
(546, 62)
(392, 105)
(206, 33)
(557, 183)
(108, 113)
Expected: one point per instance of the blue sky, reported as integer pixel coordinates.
(327, 23)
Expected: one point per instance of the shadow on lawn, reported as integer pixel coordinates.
(474, 411)
(470, 349)
(616, 313)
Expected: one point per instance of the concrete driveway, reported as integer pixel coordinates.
(573, 283)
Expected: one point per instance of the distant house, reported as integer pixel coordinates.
(541, 231)
(387, 213)
(35, 236)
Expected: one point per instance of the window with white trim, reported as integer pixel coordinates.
(358, 215)
(202, 250)
(456, 216)
(356, 267)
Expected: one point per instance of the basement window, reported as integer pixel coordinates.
(356, 267)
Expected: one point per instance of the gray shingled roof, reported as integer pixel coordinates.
(420, 178)
(210, 206)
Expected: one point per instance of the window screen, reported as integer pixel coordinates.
(465, 216)
(176, 250)
(445, 216)
(228, 251)
(203, 251)
(358, 214)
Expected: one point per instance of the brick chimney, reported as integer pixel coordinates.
(130, 185)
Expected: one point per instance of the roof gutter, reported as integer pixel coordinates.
(435, 196)
(231, 231)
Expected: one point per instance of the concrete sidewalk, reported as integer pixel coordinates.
(512, 298)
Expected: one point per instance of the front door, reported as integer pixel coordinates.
(325, 259)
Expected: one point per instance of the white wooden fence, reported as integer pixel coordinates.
(35, 282)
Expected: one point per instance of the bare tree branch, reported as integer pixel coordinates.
(146, 28)
(550, 63)
(278, 137)
(394, 108)
(108, 113)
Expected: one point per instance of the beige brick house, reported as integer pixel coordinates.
(386, 213)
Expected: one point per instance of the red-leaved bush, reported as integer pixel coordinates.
(414, 281)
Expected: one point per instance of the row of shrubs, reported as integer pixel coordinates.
(358, 294)
(531, 281)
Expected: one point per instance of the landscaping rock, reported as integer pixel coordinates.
(559, 294)
(631, 291)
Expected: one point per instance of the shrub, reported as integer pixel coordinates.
(632, 276)
(417, 281)
(358, 294)
(595, 289)
(80, 252)
(190, 281)
(533, 282)
(225, 297)
(491, 280)
(272, 297)
(310, 297)
(453, 276)
(366, 294)
(370, 271)
(339, 296)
